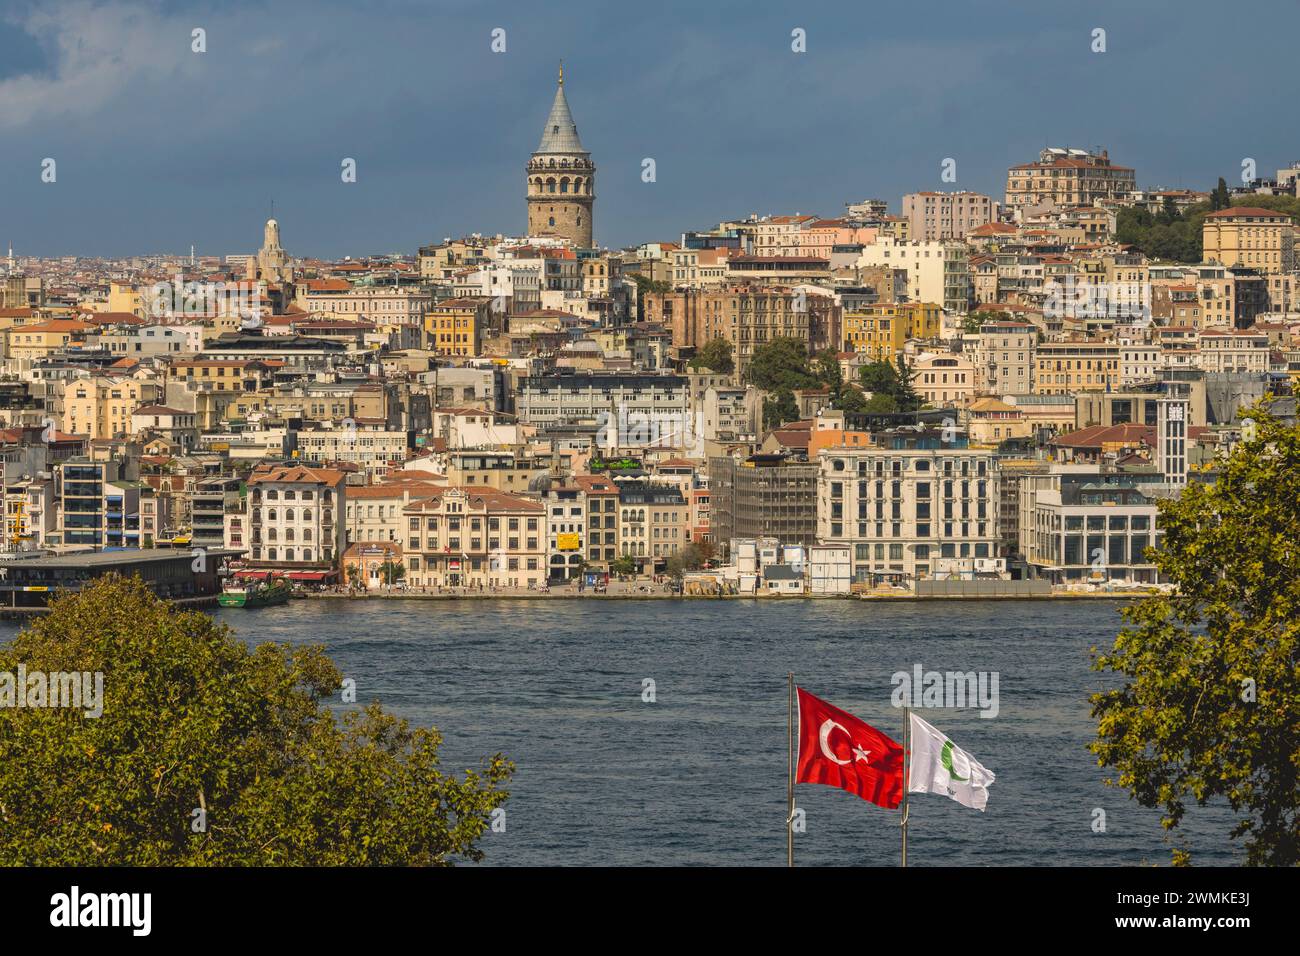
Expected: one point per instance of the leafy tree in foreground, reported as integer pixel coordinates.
(193, 719)
(1210, 709)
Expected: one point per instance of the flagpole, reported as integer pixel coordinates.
(907, 742)
(789, 779)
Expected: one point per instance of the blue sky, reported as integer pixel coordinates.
(158, 147)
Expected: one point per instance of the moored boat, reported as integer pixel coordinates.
(254, 594)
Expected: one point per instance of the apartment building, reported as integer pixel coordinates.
(1249, 237)
(940, 215)
(98, 506)
(631, 398)
(1003, 355)
(762, 496)
(944, 379)
(1064, 367)
(211, 500)
(386, 307)
(1068, 177)
(879, 332)
(1226, 350)
(602, 501)
(653, 524)
(745, 316)
(937, 271)
(295, 516)
(458, 326)
(1139, 362)
(102, 407)
(376, 513)
(475, 538)
(915, 506)
(367, 445)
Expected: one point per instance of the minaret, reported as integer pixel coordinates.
(561, 186)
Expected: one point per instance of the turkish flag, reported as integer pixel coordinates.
(837, 749)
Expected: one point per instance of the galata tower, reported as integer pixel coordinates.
(561, 179)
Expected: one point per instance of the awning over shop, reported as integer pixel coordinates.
(309, 575)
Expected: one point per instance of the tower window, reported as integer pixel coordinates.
(552, 221)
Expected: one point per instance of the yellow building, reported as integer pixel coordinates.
(1062, 368)
(457, 326)
(881, 330)
(38, 341)
(101, 407)
(991, 421)
(124, 297)
(1248, 236)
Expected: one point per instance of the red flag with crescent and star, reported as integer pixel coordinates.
(837, 749)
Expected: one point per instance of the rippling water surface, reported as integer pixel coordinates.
(699, 776)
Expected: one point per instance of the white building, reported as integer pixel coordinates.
(295, 515)
(937, 271)
(908, 503)
(830, 569)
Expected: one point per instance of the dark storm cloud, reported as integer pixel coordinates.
(158, 147)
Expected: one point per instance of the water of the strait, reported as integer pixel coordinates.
(699, 775)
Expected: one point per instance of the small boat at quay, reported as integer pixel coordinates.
(254, 594)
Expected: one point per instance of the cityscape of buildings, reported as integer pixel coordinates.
(517, 411)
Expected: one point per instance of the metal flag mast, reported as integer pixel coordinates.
(907, 748)
(789, 780)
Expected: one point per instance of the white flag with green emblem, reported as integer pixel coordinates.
(936, 766)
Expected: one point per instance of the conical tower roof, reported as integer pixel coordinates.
(561, 133)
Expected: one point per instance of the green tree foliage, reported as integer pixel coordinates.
(623, 565)
(1170, 235)
(645, 284)
(780, 364)
(826, 367)
(1219, 199)
(780, 407)
(879, 377)
(193, 719)
(851, 399)
(881, 403)
(690, 558)
(783, 365)
(1210, 704)
(1288, 205)
(392, 571)
(892, 380)
(716, 356)
(974, 320)
(905, 394)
